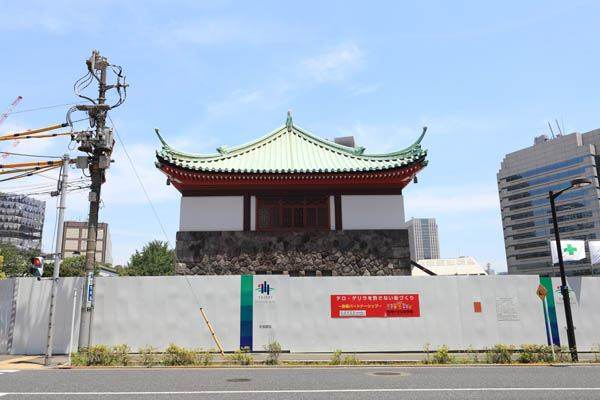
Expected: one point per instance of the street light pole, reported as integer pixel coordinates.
(564, 289)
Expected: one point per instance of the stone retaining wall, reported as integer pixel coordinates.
(317, 253)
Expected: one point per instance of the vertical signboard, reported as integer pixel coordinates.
(271, 295)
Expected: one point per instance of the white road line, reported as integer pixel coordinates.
(292, 391)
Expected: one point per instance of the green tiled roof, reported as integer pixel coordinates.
(291, 149)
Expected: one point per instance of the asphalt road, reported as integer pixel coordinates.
(515, 382)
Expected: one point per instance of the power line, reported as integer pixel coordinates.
(139, 180)
(41, 108)
(27, 155)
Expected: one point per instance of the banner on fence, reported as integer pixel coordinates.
(374, 305)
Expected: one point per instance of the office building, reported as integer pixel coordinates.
(423, 239)
(524, 180)
(75, 241)
(21, 221)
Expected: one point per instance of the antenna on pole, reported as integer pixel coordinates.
(561, 132)
(551, 131)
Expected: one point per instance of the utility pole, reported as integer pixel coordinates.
(98, 145)
(57, 255)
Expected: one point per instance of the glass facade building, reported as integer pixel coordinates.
(423, 239)
(524, 180)
(21, 221)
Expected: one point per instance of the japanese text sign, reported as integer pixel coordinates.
(374, 305)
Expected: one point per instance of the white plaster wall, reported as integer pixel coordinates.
(212, 213)
(373, 212)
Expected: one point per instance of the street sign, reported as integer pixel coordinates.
(541, 292)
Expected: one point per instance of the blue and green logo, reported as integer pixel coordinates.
(264, 288)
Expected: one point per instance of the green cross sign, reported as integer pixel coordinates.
(570, 249)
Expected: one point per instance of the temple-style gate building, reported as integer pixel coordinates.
(292, 203)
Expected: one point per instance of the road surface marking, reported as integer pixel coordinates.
(7, 371)
(292, 391)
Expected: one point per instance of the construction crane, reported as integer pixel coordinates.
(10, 108)
(4, 116)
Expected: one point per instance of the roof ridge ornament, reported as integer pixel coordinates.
(163, 141)
(288, 121)
(223, 150)
(358, 150)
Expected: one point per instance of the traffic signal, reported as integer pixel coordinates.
(37, 266)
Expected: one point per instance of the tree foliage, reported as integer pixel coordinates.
(155, 259)
(70, 266)
(16, 261)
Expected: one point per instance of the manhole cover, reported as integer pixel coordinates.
(238, 380)
(387, 373)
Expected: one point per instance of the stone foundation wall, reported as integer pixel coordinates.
(317, 253)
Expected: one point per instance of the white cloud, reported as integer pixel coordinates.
(335, 65)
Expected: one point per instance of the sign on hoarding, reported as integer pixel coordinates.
(374, 305)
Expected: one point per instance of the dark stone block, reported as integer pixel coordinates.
(384, 252)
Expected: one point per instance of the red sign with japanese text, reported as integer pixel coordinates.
(374, 305)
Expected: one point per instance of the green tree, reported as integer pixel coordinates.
(70, 266)
(155, 259)
(16, 261)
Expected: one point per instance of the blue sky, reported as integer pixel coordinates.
(484, 77)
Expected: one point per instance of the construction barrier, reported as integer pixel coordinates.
(304, 314)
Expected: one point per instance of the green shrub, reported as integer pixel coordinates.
(79, 359)
(562, 353)
(241, 357)
(596, 351)
(337, 358)
(99, 355)
(532, 353)
(500, 354)
(120, 355)
(205, 357)
(274, 350)
(441, 356)
(350, 360)
(175, 355)
(148, 356)
(472, 355)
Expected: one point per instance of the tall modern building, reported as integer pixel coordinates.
(423, 238)
(21, 221)
(524, 180)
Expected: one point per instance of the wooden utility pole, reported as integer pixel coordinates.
(99, 147)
